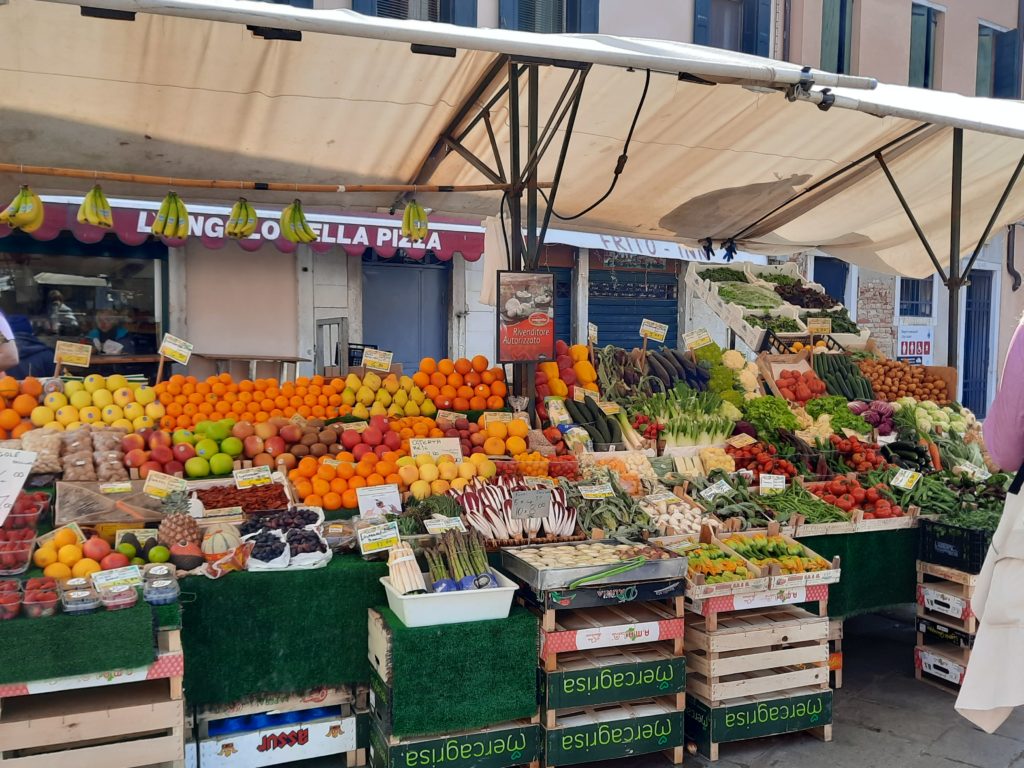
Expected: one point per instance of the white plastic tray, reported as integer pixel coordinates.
(451, 607)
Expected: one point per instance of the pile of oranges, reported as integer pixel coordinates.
(188, 401)
(462, 385)
(17, 400)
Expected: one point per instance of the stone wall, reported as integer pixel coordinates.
(876, 309)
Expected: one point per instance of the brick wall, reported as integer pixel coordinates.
(876, 302)
(800, 259)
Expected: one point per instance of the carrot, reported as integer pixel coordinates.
(933, 452)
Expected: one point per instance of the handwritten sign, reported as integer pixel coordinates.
(450, 417)
(159, 486)
(119, 487)
(526, 504)
(771, 484)
(14, 468)
(740, 441)
(716, 490)
(355, 426)
(436, 447)
(175, 349)
(819, 326)
(503, 417)
(539, 482)
(596, 491)
(218, 512)
(377, 359)
(436, 525)
(653, 331)
(905, 479)
(591, 333)
(697, 339)
(251, 477)
(75, 355)
(378, 538)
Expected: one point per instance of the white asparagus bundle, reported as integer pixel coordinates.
(405, 573)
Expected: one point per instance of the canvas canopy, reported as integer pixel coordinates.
(187, 90)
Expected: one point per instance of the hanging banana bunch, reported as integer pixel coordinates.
(294, 226)
(172, 218)
(25, 211)
(243, 220)
(95, 209)
(414, 222)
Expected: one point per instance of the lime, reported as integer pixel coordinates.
(159, 555)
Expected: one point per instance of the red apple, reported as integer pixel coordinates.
(252, 445)
(136, 457)
(243, 429)
(361, 450)
(150, 466)
(183, 452)
(161, 453)
(265, 430)
(477, 438)
(114, 560)
(451, 433)
(291, 433)
(392, 440)
(350, 439)
(96, 548)
(380, 450)
(174, 468)
(275, 445)
(287, 461)
(133, 442)
(161, 438)
(373, 436)
(263, 460)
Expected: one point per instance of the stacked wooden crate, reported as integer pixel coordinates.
(946, 625)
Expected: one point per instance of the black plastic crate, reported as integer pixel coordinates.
(952, 545)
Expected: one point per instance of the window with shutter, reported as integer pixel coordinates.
(549, 15)
(997, 71)
(836, 35)
(924, 27)
(736, 25)
(461, 12)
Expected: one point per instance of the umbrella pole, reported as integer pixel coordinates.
(955, 280)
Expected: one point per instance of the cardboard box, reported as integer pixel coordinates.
(284, 743)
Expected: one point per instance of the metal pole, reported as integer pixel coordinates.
(515, 196)
(955, 279)
(532, 132)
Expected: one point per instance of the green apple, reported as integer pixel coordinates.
(221, 464)
(197, 466)
(182, 436)
(232, 446)
(207, 447)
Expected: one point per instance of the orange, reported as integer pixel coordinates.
(245, 386)
(370, 458)
(499, 389)
(482, 390)
(183, 422)
(303, 488)
(449, 391)
(64, 536)
(363, 470)
(356, 482)
(446, 366)
(486, 377)
(57, 571)
(313, 500)
(326, 472)
(498, 372)
(455, 380)
(349, 499)
(345, 456)
(463, 366)
(8, 387)
(428, 365)
(394, 478)
(420, 379)
(332, 501)
(374, 480)
(45, 556)
(9, 418)
(472, 379)
(69, 554)
(460, 403)
(436, 432)
(385, 467)
(497, 429)
(168, 423)
(338, 485)
(494, 446)
(23, 404)
(515, 445)
(225, 378)
(420, 429)
(480, 363)
(495, 403)
(203, 388)
(345, 471)
(320, 486)
(438, 379)
(166, 398)
(431, 391)
(308, 466)
(21, 429)
(32, 386)
(518, 428)
(477, 403)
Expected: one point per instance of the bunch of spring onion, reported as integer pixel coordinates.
(690, 417)
(487, 508)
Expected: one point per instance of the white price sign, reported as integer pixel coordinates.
(14, 469)
(158, 485)
(252, 477)
(379, 538)
(653, 331)
(69, 353)
(772, 484)
(973, 471)
(526, 504)
(175, 349)
(377, 359)
(436, 447)
(819, 326)
(716, 490)
(697, 339)
(597, 491)
(906, 479)
(591, 333)
(440, 525)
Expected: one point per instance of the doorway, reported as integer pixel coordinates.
(405, 310)
(977, 345)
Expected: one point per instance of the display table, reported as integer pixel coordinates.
(878, 569)
(278, 632)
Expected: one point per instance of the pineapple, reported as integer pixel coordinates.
(178, 525)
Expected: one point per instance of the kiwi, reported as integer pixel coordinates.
(299, 450)
(310, 438)
(328, 436)
(318, 449)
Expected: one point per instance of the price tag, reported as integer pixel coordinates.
(69, 353)
(610, 408)
(905, 479)
(158, 485)
(355, 426)
(436, 447)
(129, 576)
(596, 491)
(579, 394)
(697, 339)
(142, 535)
(503, 417)
(223, 512)
(716, 490)
(251, 477)
(746, 474)
(449, 417)
(819, 326)
(659, 496)
(527, 504)
(539, 482)
(440, 525)
(740, 441)
(175, 349)
(591, 333)
(379, 538)
(14, 469)
(557, 412)
(772, 484)
(377, 359)
(653, 331)
(332, 463)
(379, 501)
(123, 487)
(974, 471)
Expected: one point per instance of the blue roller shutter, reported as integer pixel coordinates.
(563, 302)
(620, 300)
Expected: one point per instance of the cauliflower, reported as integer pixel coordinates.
(733, 359)
(748, 380)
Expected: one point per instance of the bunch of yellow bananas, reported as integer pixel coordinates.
(172, 218)
(25, 211)
(95, 209)
(414, 222)
(294, 226)
(243, 220)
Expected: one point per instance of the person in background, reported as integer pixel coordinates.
(109, 328)
(8, 347)
(1004, 425)
(35, 358)
(62, 318)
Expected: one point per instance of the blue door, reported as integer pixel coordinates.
(563, 302)
(620, 300)
(405, 310)
(977, 341)
(831, 274)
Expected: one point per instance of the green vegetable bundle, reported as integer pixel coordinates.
(797, 500)
(723, 275)
(749, 296)
(838, 409)
(768, 415)
(776, 324)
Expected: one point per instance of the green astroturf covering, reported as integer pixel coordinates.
(286, 632)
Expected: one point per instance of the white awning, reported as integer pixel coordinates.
(186, 90)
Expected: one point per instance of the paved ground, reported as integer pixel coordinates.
(883, 718)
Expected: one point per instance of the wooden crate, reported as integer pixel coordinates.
(771, 650)
(614, 731)
(939, 669)
(500, 746)
(835, 656)
(275, 704)
(949, 603)
(954, 642)
(752, 717)
(714, 607)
